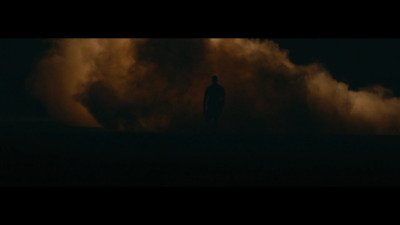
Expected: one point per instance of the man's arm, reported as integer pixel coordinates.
(223, 97)
(205, 101)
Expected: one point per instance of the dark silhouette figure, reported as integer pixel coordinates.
(214, 100)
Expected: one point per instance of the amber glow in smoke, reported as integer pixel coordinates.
(158, 85)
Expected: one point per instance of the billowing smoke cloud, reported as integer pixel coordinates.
(158, 85)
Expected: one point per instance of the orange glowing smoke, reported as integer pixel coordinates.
(158, 85)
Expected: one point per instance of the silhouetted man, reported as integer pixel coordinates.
(214, 100)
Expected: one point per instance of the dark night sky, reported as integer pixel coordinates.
(357, 62)
(18, 59)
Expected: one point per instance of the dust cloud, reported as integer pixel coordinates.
(157, 85)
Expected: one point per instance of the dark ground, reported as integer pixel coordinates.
(48, 154)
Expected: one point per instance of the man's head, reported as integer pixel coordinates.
(214, 79)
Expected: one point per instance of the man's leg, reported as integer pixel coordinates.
(208, 119)
(215, 121)
(216, 118)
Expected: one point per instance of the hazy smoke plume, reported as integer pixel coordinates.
(158, 85)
